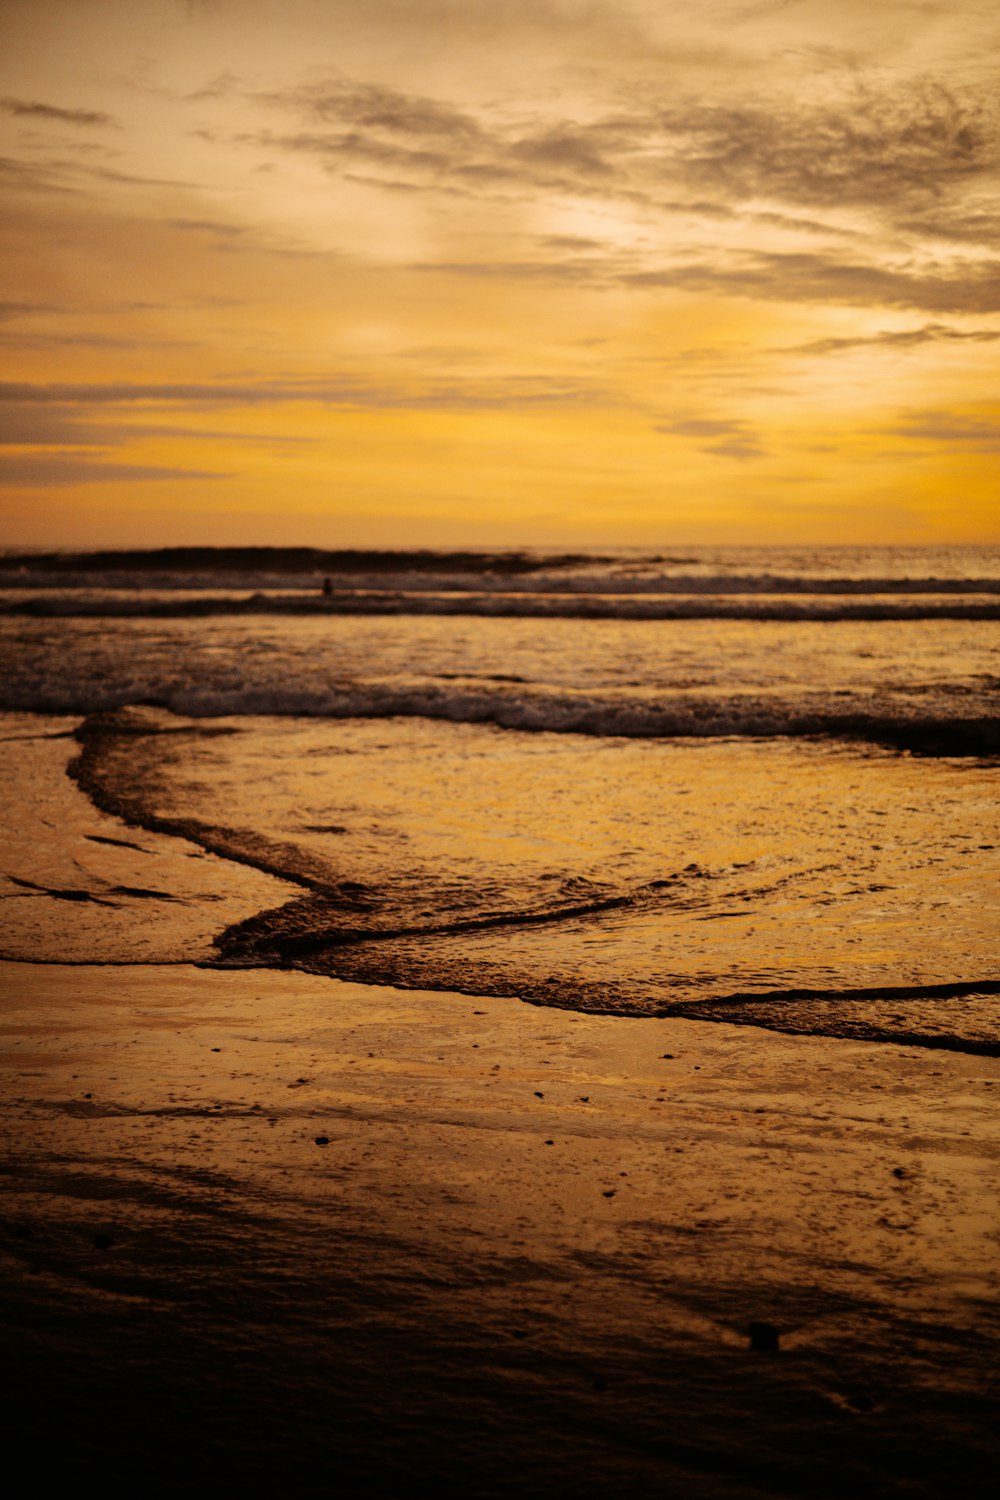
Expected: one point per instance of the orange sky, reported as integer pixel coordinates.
(432, 271)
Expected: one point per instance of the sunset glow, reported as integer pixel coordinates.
(449, 272)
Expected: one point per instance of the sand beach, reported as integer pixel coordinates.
(268, 1230)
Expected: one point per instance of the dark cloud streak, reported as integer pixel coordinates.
(725, 437)
(903, 338)
(31, 109)
(804, 277)
(44, 471)
(888, 153)
(950, 429)
(344, 394)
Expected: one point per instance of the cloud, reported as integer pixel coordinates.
(701, 427)
(131, 179)
(45, 426)
(972, 287)
(357, 146)
(36, 111)
(19, 307)
(430, 144)
(44, 471)
(572, 242)
(13, 339)
(513, 393)
(190, 393)
(33, 178)
(735, 448)
(901, 338)
(891, 152)
(951, 429)
(803, 226)
(209, 226)
(866, 149)
(371, 107)
(219, 87)
(574, 151)
(725, 436)
(592, 270)
(972, 227)
(67, 176)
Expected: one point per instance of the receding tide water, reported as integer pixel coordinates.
(753, 786)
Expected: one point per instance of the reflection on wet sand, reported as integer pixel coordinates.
(281, 1231)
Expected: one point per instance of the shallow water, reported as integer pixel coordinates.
(788, 822)
(561, 867)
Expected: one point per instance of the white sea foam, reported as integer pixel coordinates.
(905, 724)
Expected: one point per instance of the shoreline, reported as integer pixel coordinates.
(527, 1255)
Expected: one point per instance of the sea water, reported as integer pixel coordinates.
(746, 785)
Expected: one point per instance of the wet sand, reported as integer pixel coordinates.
(270, 1231)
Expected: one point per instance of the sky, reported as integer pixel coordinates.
(499, 272)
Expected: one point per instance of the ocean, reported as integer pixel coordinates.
(749, 785)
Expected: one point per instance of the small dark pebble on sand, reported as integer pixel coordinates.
(538, 1095)
(322, 1140)
(550, 1143)
(899, 1171)
(609, 1193)
(764, 1337)
(583, 1098)
(668, 1055)
(216, 1049)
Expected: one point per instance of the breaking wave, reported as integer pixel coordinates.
(713, 602)
(901, 724)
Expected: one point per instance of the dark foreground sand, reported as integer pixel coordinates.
(523, 1261)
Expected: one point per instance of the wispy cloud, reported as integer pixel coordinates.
(888, 152)
(724, 436)
(971, 226)
(60, 175)
(210, 226)
(514, 392)
(802, 276)
(44, 471)
(977, 434)
(898, 338)
(48, 427)
(19, 307)
(867, 149)
(31, 109)
(33, 178)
